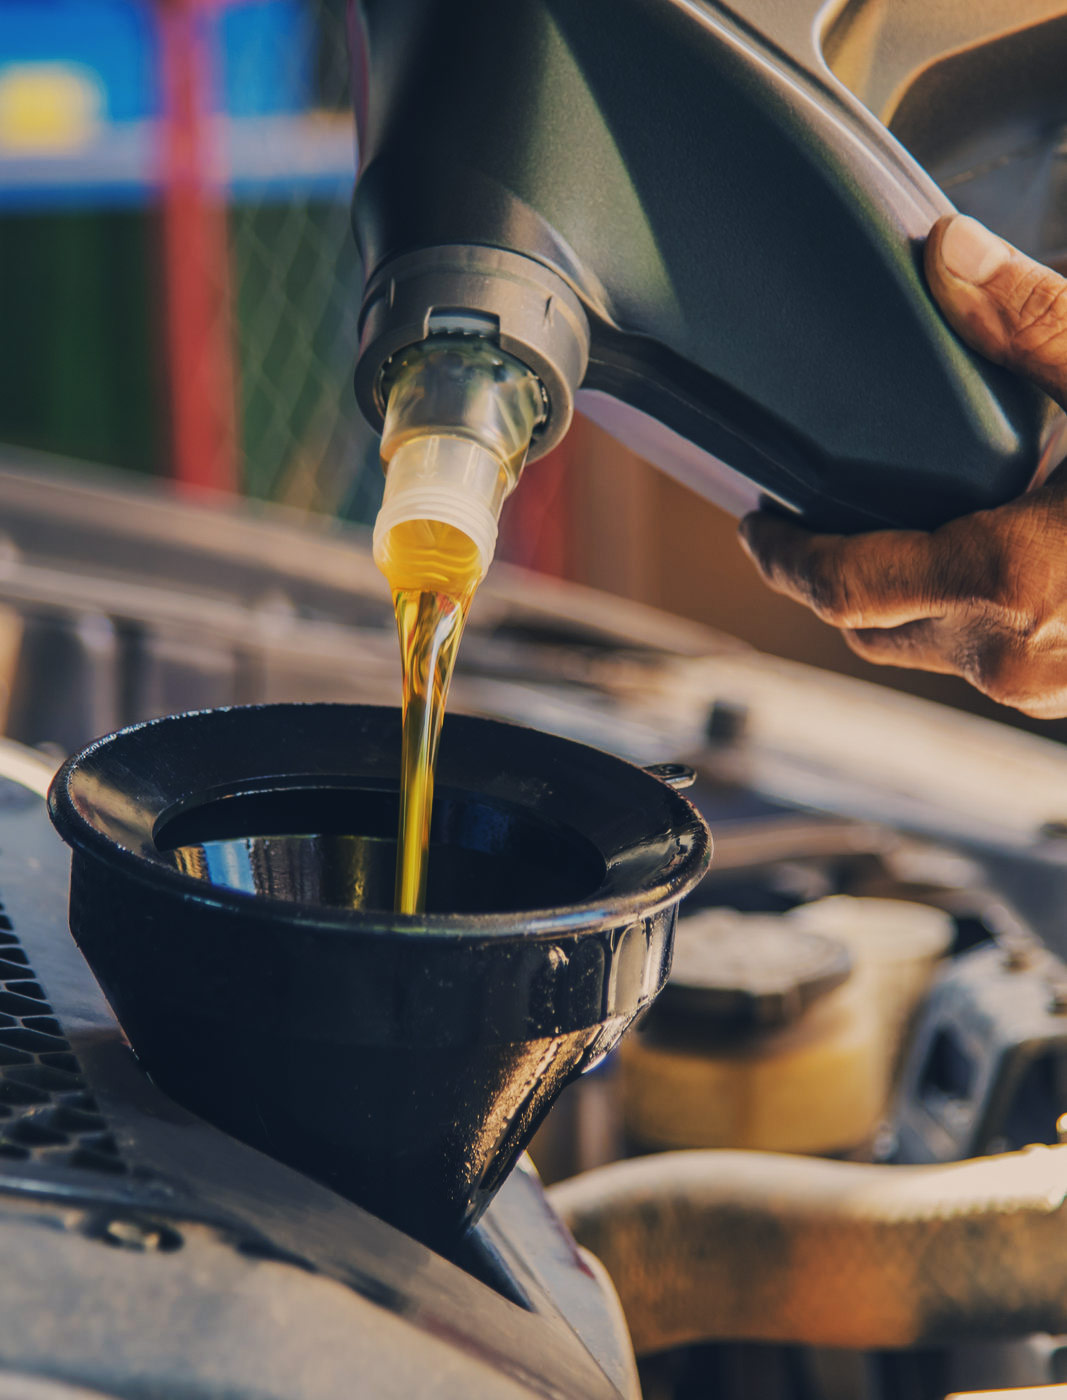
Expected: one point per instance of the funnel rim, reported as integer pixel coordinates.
(692, 848)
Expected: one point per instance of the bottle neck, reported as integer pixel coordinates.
(459, 419)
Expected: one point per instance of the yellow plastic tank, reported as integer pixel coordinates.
(781, 1033)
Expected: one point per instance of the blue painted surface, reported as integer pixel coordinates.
(332, 187)
(265, 51)
(116, 39)
(265, 58)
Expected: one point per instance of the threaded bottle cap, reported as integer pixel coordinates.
(449, 479)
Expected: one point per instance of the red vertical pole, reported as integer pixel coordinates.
(195, 252)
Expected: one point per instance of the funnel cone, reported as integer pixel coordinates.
(230, 888)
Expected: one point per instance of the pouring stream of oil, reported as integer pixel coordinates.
(433, 571)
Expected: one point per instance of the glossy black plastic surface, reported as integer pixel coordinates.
(242, 1241)
(744, 236)
(405, 1061)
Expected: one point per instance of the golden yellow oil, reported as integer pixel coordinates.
(433, 571)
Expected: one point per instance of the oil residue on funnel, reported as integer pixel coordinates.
(433, 570)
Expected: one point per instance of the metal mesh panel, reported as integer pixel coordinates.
(295, 293)
(47, 1115)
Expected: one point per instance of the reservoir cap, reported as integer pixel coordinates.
(749, 971)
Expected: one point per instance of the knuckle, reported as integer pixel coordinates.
(1003, 668)
(861, 641)
(910, 644)
(1000, 568)
(869, 646)
(973, 560)
(1039, 324)
(832, 594)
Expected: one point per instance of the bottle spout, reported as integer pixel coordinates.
(460, 416)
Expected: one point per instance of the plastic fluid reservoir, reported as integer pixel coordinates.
(780, 1033)
(897, 944)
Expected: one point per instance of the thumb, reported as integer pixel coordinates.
(1008, 307)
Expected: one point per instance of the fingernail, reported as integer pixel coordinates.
(970, 252)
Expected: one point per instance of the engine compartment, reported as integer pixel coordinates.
(834, 807)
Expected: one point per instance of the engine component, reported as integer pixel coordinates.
(987, 1067)
(773, 1049)
(898, 944)
(705, 1245)
(741, 973)
(763, 1039)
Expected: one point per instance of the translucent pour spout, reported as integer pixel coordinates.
(459, 419)
(458, 423)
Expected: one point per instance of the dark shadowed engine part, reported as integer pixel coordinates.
(987, 1065)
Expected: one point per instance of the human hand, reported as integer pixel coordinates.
(984, 597)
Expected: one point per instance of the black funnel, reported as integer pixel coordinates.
(231, 888)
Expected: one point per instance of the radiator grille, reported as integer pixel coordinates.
(47, 1114)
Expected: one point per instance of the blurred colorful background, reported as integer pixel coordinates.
(180, 286)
